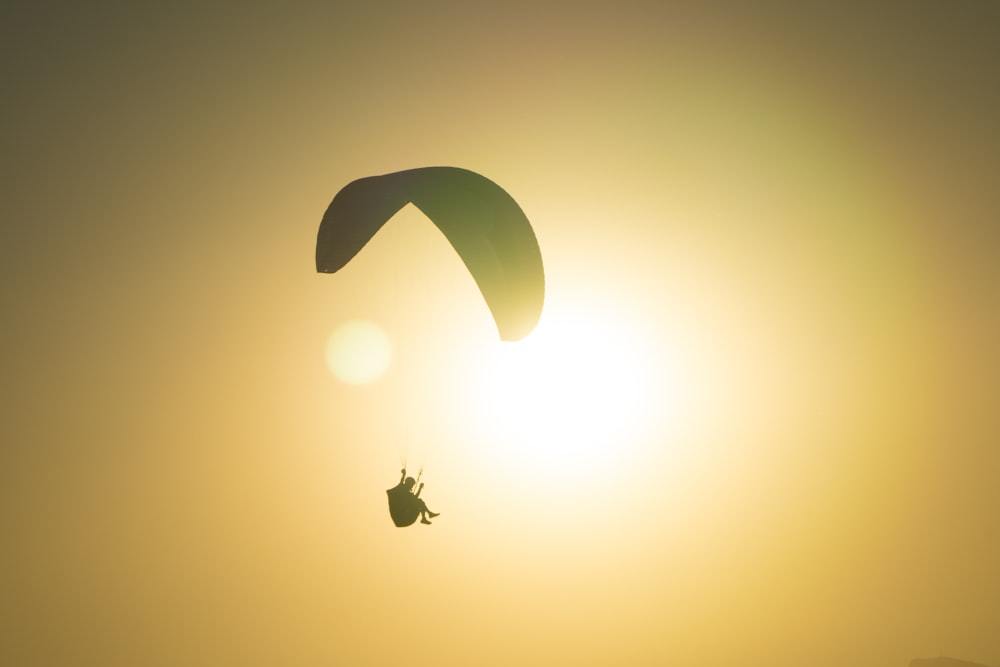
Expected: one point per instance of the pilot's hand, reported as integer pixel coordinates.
(403, 471)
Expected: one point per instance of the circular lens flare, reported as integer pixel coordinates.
(358, 352)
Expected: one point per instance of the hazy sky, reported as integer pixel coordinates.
(757, 425)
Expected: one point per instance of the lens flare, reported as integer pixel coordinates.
(358, 352)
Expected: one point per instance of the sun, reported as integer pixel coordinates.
(564, 400)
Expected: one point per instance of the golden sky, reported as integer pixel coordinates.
(757, 424)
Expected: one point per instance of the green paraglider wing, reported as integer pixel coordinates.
(484, 224)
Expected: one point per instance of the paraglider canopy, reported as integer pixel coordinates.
(483, 223)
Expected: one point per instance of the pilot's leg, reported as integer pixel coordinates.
(424, 513)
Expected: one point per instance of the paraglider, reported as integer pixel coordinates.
(483, 223)
(405, 504)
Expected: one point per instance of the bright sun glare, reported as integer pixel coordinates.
(567, 396)
(358, 352)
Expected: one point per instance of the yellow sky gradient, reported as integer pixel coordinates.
(756, 426)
